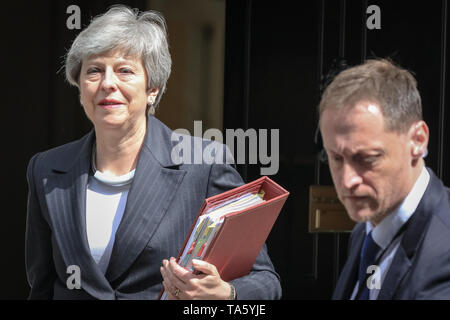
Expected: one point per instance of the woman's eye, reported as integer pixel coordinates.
(93, 70)
(126, 70)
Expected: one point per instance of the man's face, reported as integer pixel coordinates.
(370, 166)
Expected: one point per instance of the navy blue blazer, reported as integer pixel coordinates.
(162, 203)
(420, 268)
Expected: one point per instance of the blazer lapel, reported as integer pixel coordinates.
(412, 239)
(399, 267)
(348, 277)
(65, 193)
(152, 191)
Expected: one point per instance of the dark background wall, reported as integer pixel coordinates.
(277, 55)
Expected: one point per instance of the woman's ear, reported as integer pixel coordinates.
(418, 135)
(151, 96)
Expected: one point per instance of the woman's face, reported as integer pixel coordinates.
(114, 91)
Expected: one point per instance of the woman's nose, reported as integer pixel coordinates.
(109, 82)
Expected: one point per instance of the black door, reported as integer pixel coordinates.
(279, 55)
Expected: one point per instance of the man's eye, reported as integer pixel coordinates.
(369, 159)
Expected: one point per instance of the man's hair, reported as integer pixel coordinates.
(382, 82)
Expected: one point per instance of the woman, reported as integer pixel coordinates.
(107, 212)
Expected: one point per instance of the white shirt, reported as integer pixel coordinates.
(106, 197)
(384, 233)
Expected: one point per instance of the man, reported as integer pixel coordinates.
(375, 139)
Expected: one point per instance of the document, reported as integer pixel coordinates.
(209, 223)
(232, 227)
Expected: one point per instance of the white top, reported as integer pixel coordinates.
(383, 234)
(106, 197)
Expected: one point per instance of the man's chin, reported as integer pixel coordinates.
(361, 211)
(361, 215)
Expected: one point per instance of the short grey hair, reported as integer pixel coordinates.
(139, 34)
(380, 81)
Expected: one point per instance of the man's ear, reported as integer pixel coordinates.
(418, 136)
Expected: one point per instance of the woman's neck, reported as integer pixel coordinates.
(117, 150)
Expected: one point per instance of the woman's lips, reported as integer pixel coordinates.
(110, 106)
(110, 103)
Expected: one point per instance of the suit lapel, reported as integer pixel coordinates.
(348, 277)
(412, 239)
(399, 267)
(153, 189)
(65, 193)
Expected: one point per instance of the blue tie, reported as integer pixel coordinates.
(368, 257)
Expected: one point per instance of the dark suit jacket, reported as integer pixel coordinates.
(163, 201)
(420, 268)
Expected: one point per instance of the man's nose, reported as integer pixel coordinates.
(350, 177)
(109, 82)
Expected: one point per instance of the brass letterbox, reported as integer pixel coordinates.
(326, 212)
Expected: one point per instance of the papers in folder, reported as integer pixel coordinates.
(209, 223)
(231, 228)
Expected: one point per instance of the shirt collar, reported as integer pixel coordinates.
(386, 230)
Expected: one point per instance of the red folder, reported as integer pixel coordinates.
(243, 233)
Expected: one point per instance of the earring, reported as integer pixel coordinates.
(151, 109)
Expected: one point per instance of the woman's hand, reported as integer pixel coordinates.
(181, 284)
